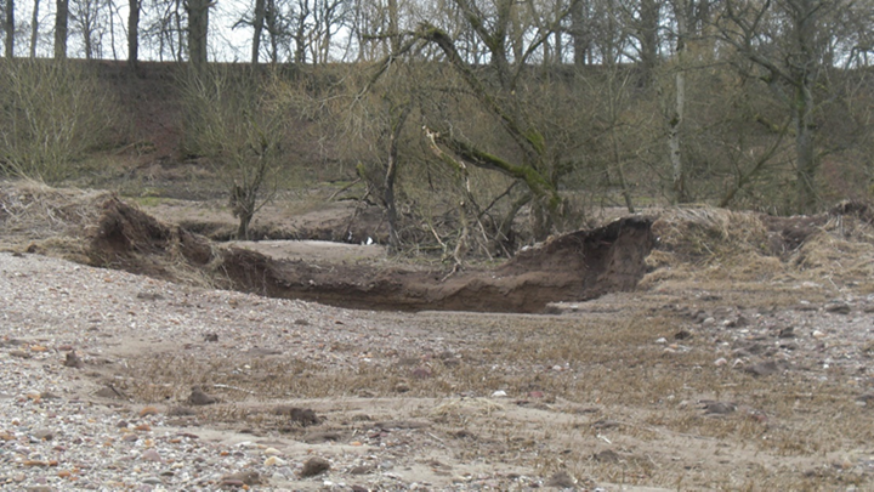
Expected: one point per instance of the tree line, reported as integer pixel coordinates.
(515, 107)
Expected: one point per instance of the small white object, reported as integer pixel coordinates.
(499, 394)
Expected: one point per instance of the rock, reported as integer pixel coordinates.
(210, 337)
(561, 480)
(149, 410)
(249, 477)
(838, 307)
(422, 372)
(763, 368)
(320, 437)
(401, 387)
(717, 407)
(149, 296)
(361, 470)
(607, 456)
(358, 488)
(181, 412)
(303, 416)
(499, 394)
(787, 332)
(274, 461)
(73, 360)
(198, 397)
(682, 335)
(152, 480)
(110, 391)
(43, 434)
(301, 322)
(151, 455)
(272, 452)
(314, 466)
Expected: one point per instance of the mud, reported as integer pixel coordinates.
(577, 266)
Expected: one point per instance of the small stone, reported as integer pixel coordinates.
(763, 369)
(314, 466)
(130, 438)
(249, 477)
(838, 307)
(73, 360)
(720, 362)
(210, 337)
(181, 411)
(44, 434)
(20, 354)
(561, 480)
(787, 332)
(143, 428)
(151, 455)
(274, 461)
(152, 480)
(272, 452)
(150, 410)
(198, 397)
(358, 488)
(110, 391)
(422, 372)
(301, 322)
(682, 335)
(402, 387)
(361, 470)
(718, 407)
(499, 394)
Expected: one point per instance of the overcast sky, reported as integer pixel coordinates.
(225, 44)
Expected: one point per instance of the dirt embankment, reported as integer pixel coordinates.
(575, 266)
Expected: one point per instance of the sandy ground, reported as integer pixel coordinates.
(697, 380)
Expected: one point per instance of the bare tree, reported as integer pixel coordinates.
(34, 29)
(785, 39)
(61, 18)
(88, 17)
(9, 27)
(198, 30)
(133, 33)
(258, 27)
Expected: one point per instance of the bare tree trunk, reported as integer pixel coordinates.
(805, 153)
(675, 124)
(198, 29)
(61, 16)
(391, 177)
(649, 40)
(133, 42)
(393, 25)
(10, 28)
(579, 32)
(258, 25)
(805, 13)
(34, 29)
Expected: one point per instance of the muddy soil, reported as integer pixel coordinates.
(717, 351)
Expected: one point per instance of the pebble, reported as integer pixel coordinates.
(314, 466)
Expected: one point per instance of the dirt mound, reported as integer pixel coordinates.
(679, 244)
(709, 243)
(576, 266)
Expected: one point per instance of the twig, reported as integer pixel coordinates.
(226, 386)
(341, 190)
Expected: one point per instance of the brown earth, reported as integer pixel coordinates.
(717, 350)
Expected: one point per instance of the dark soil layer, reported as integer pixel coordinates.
(572, 267)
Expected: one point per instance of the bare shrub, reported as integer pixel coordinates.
(232, 121)
(51, 114)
